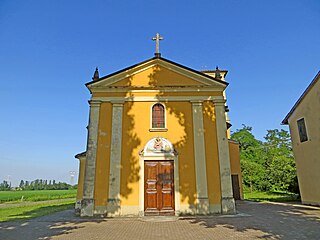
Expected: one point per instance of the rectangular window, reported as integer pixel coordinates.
(302, 130)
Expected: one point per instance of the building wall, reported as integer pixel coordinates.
(82, 164)
(235, 163)
(136, 133)
(101, 187)
(211, 146)
(307, 154)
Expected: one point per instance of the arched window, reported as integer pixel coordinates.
(158, 116)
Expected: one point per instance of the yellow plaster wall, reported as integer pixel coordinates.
(157, 76)
(82, 165)
(307, 153)
(212, 156)
(103, 155)
(234, 152)
(136, 134)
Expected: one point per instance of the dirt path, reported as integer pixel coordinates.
(26, 203)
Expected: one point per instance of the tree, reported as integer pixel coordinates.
(5, 186)
(21, 185)
(252, 158)
(280, 163)
(267, 165)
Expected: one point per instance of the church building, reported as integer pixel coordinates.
(158, 143)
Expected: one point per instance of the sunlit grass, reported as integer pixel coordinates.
(36, 195)
(271, 196)
(32, 211)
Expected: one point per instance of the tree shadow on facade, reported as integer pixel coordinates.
(130, 143)
(180, 133)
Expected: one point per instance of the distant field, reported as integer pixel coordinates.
(36, 195)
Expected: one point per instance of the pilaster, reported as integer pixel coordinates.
(87, 203)
(202, 200)
(113, 207)
(227, 201)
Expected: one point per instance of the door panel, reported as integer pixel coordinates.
(159, 188)
(151, 191)
(235, 187)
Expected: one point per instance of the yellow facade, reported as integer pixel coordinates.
(134, 92)
(307, 153)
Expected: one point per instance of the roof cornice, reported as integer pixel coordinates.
(313, 82)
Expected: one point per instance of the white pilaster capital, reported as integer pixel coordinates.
(196, 102)
(219, 102)
(94, 103)
(117, 104)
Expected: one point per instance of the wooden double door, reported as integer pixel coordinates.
(158, 188)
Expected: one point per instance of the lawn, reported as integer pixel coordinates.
(36, 195)
(31, 211)
(271, 196)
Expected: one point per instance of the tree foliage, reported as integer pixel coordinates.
(5, 186)
(40, 184)
(267, 165)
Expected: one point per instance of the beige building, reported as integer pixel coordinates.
(304, 123)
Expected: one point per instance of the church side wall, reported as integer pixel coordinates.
(212, 156)
(82, 165)
(136, 133)
(103, 156)
(235, 163)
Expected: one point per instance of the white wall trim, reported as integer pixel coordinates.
(200, 159)
(227, 201)
(115, 160)
(160, 89)
(87, 203)
(161, 98)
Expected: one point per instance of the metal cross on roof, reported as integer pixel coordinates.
(157, 39)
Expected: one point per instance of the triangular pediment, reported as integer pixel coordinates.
(157, 72)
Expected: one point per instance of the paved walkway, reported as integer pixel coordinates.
(254, 221)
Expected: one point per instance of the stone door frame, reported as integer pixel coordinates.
(144, 156)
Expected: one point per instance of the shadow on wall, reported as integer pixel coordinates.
(181, 138)
(130, 143)
(183, 145)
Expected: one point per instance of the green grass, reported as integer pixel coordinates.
(36, 195)
(271, 196)
(32, 211)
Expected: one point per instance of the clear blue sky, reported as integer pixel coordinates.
(49, 49)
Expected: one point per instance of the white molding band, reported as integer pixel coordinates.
(227, 201)
(113, 208)
(200, 159)
(87, 203)
(172, 89)
(162, 99)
